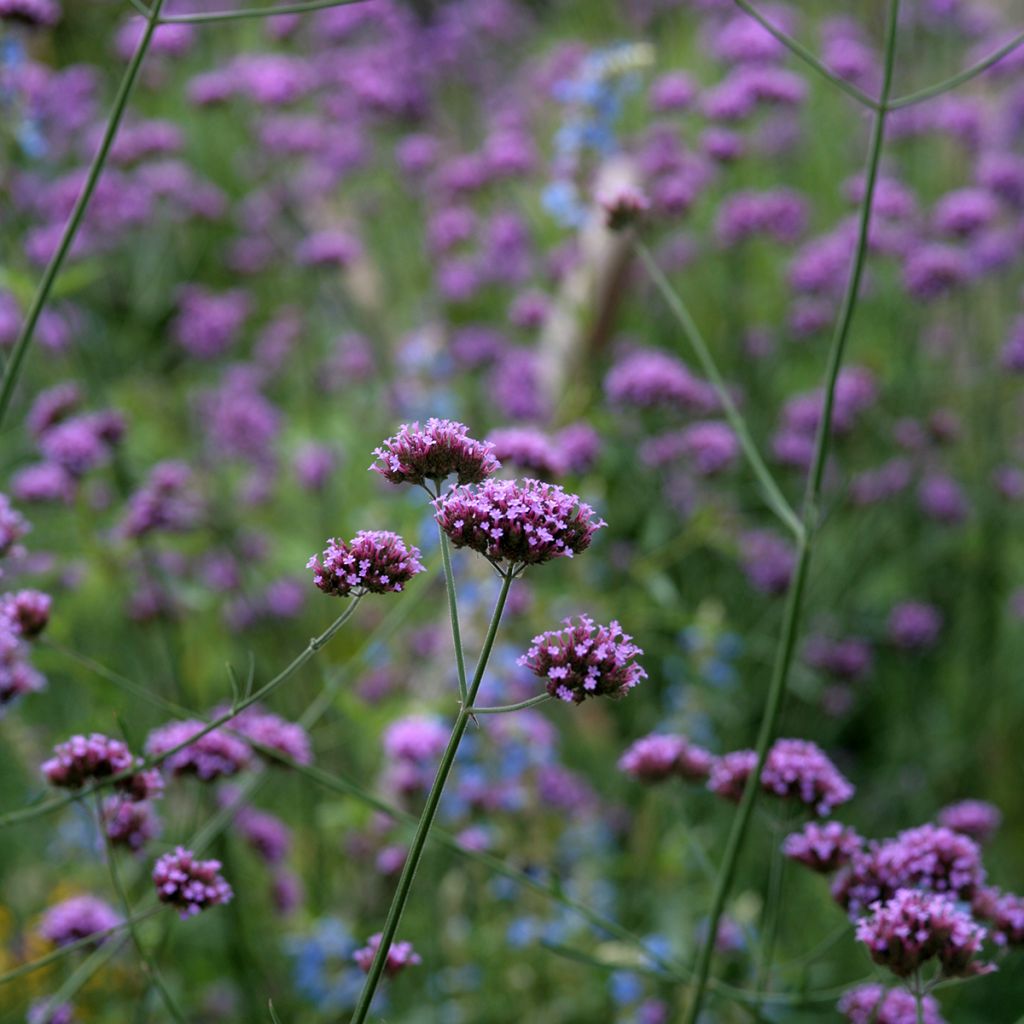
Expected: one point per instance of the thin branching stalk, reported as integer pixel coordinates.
(772, 492)
(504, 709)
(794, 601)
(254, 12)
(314, 645)
(426, 820)
(453, 613)
(799, 50)
(948, 84)
(13, 369)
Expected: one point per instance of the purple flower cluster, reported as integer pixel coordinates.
(823, 846)
(12, 526)
(264, 728)
(77, 918)
(528, 449)
(767, 560)
(400, 956)
(646, 378)
(914, 626)
(729, 774)
(26, 612)
(167, 502)
(1004, 912)
(84, 759)
(129, 823)
(913, 927)
(217, 754)
(34, 13)
(977, 819)
(780, 214)
(662, 756)
(585, 660)
(190, 884)
(875, 1004)
(373, 562)
(520, 522)
(434, 452)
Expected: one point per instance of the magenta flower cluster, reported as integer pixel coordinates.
(875, 1004)
(213, 755)
(85, 759)
(373, 562)
(189, 884)
(78, 917)
(823, 846)
(519, 522)
(440, 449)
(913, 927)
(663, 756)
(400, 956)
(585, 660)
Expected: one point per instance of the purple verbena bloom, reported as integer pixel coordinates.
(1012, 356)
(262, 727)
(768, 561)
(977, 819)
(43, 482)
(847, 659)
(801, 769)
(580, 445)
(208, 323)
(314, 464)
(52, 406)
(17, 676)
(416, 738)
(187, 883)
(400, 956)
(932, 271)
(434, 452)
(648, 377)
(1004, 911)
(34, 13)
(823, 846)
(729, 774)
(128, 823)
(941, 499)
(84, 759)
(265, 833)
(27, 611)
(623, 205)
(328, 249)
(521, 522)
(215, 755)
(874, 1004)
(672, 91)
(527, 448)
(779, 214)
(77, 918)
(167, 502)
(964, 212)
(373, 562)
(43, 1011)
(585, 660)
(914, 625)
(914, 927)
(661, 756)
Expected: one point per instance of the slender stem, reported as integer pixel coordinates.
(453, 613)
(772, 493)
(770, 926)
(426, 821)
(24, 339)
(801, 51)
(254, 12)
(503, 709)
(958, 79)
(152, 970)
(918, 997)
(794, 600)
(314, 645)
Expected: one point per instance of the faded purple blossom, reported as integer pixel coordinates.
(528, 449)
(932, 271)
(779, 214)
(585, 660)
(942, 499)
(823, 846)
(521, 522)
(875, 1004)
(328, 249)
(415, 738)
(768, 561)
(373, 562)
(77, 918)
(216, 754)
(85, 759)
(266, 834)
(729, 774)
(623, 205)
(129, 823)
(846, 659)
(189, 884)
(648, 377)
(977, 819)
(167, 502)
(34, 13)
(914, 927)
(964, 212)
(434, 452)
(801, 769)
(661, 756)
(264, 728)
(400, 956)
(27, 611)
(1004, 912)
(209, 323)
(43, 1011)
(914, 625)
(12, 526)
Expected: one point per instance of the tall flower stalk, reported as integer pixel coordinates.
(809, 519)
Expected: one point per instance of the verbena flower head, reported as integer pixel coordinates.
(129, 824)
(975, 818)
(265, 833)
(17, 676)
(800, 769)
(12, 526)
(28, 611)
(623, 205)
(914, 927)
(43, 1011)
(83, 759)
(1004, 911)
(415, 738)
(521, 522)
(661, 756)
(875, 1004)
(585, 660)
(823, 846)
(212, 756)
(34, 13)
(729, 774)
(400, 956)
(190, 884)
(258, 725)
(434, 452)
(914, 625)
(373, 562)
(77, 918)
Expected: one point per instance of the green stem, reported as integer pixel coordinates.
(254, 12)
(453, 613)
(152, 970)
(20, 350)
(426, 821)
(794, 600)
(958, 79)
(801, 51)
(314, 645)
(770, 927)
(773, 495)
(503, 709)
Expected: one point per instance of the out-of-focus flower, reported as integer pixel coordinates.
(77, 918)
